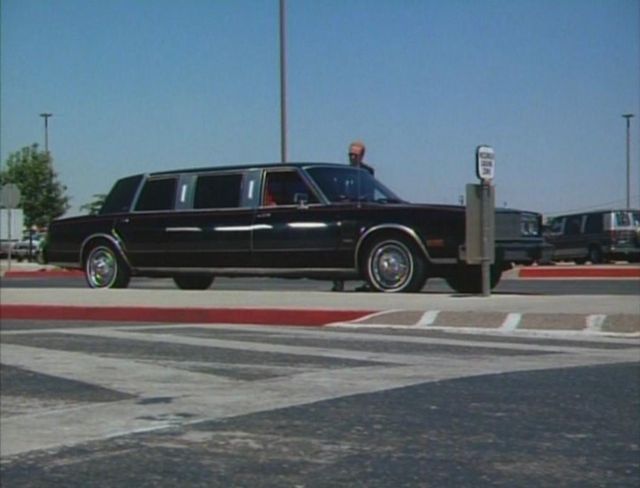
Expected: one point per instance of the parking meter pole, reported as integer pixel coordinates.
(485, 171)
(30, 254)
(10, 242)
(486, 258)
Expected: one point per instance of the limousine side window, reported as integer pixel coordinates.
(157, 194)
(286, 188)
(218, 191)
(121, 195)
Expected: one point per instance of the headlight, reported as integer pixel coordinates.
(529, 225)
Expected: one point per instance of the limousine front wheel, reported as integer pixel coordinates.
(104, 268)
(395, 265)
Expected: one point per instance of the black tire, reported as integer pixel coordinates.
(193, 282)
(395, 265)
(468, 278)
(104, 268)
(595, 255)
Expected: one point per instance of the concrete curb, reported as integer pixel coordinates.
(569, 272)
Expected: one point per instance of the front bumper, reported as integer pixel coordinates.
(524, 252)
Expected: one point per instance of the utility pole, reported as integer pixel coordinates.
(628, 117)
(283, 84)
(46, 130)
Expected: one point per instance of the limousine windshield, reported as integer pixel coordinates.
(351, 185)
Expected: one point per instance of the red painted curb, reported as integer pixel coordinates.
(265, 316)
(43, 273)
(579, 272)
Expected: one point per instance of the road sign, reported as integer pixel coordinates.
(10, 196)
(485, 163)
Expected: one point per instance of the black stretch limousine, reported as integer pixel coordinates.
(314, 220)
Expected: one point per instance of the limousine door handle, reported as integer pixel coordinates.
(125, 220)
(264, 215)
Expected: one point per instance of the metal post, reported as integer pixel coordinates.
(46, 130)
(628, 117)
(283, 85)
(10, 242)
(486, 260)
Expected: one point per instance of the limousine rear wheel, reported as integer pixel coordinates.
(393, 264)
(193, 282)
(104, 268)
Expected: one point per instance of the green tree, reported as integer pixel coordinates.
(43, 196)
(94, 206)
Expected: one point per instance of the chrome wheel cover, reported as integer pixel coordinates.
(101, 267)
(391, 266)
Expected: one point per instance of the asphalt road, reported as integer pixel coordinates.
(434, 285)
(106, 405)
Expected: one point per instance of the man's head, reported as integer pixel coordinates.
(356, 152)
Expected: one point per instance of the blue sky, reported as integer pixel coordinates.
(146, 85)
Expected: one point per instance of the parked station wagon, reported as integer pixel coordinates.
(311, 220)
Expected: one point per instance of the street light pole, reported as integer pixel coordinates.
(46, 130)
(283, 85)
(628, 117)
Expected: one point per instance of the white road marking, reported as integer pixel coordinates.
(428, 318)
(595, 323)
(511, 323)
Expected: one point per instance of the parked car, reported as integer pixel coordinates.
(27, 248)
(597, 237)
(5, 244)
(322, 220)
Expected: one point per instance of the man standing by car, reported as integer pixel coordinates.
(356, 156)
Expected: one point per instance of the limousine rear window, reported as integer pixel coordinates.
(218, 191)
(157, 194)
(121, 195)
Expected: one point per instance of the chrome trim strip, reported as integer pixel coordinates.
(254, 271)
(242, 228)
(183, 229)
(402, 228)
